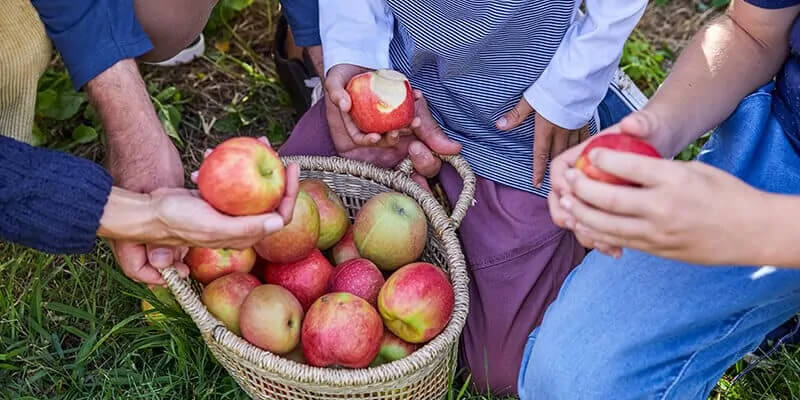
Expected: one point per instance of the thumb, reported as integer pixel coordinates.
(160, 257)
(641, 124)
(254, 227)
(335, 87)
(515, 116)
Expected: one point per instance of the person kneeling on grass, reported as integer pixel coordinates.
(710, 264)
(59, 203)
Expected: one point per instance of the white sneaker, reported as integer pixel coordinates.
(187, 55)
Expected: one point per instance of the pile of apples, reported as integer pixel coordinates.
(321, 291)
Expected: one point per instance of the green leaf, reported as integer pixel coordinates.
(39, 137)
(231, 123)
(84, 134)
(237, 5)
(169, 125)
(58, 105)
(167, 94)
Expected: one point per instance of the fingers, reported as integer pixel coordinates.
(515, 116)
(427, 130)
(265, 140)
(560, 165)
(560, 142)
(183, 269)
(420, 180)
(132, 260)
(614, 199)
(160, 257)
(542, 142)
(286, 207)
(425, 163)
(644, 170)
(558, 214)
(615, 226)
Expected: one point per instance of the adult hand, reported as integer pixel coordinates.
(549, 139)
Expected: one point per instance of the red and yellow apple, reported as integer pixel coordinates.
(393, 348)
(307, 279)
(416, 302)
(341, 329)
(359, 277)
(224, 296)
(381, 101)
(271, 318)
(242, 176)
(615, 141)
(205, 264)
(297, 239)
(333, 220)
(346, 249)
(390, 230)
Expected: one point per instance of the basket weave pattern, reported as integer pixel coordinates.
(424, 375)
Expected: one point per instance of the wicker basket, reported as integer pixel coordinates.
(424, 375)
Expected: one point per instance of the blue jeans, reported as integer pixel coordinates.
(644, 327)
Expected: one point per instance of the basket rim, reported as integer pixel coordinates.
(440, 346)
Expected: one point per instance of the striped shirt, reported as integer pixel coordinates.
(475, 59)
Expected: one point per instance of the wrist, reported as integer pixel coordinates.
(130, 216)
(773, 236)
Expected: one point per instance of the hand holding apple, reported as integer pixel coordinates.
(381, 101)
(618, 142)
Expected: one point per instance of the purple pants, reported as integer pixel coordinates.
(517, 259)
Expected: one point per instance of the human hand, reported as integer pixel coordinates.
(549, 139)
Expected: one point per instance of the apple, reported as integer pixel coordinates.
(346, 249)
(341, 329)
(307, 279)
(618, 142)
(381, 101)
(164, 296)
(205, 264)
(271, 318)
(297, 239)
(416, 302)
(242, 176)
(360, 277)
(224, 296)
(333, 219)
(393, 348)
(390, 230)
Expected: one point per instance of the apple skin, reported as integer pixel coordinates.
(163, 295)
(333, 219)
(242, 176)
(205, 264)
(341, 329)
(307, 279)
(297, 239)
(381, 101)
(416, 302)
(392, 349)
(390, 230)
(224, 296)
(618, 142)
(271, 318)
(346, 249)
(359, 277)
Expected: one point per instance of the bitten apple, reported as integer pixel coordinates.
(297, 239)
(618, 142)
(359, 277)
(224, 296)
(346, 249)
(341, 329)
(416, 302)
(242, 176)
(307, 279)
(271, 318)
(205, 265)
(333, 220)
(381, 101)
(390, 230)
(393, 348)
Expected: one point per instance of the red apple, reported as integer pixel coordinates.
(381, 101)
(333, 220)
(618, 142)
(242, 176)
(224, 296)
(341, 329)
(297, 239)
(393, 348)
(416, 302)
(271, 318)
(346, 249)
(390, 230)
(206, 265)
(360, 277)
(307, 279)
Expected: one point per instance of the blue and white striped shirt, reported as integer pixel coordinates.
(475, 59)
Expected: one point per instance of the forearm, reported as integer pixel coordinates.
(722, 65)
(775, 241)
(130, 216)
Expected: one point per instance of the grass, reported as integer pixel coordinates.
(72, 328)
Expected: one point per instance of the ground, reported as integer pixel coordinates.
(71, 327)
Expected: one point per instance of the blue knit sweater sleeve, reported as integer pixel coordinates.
(49, 200)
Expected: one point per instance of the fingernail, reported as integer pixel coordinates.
(566, 203)
(161, 257)
(273, 223)
(342, 103)
(570, 174)
(414, 149)
(194, 176)
(502, 122)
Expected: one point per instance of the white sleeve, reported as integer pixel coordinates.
(577, 78)
(355, 32)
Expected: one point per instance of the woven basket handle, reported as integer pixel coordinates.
(182, 291)
(467, 192)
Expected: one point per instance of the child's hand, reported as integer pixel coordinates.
(549, 140)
